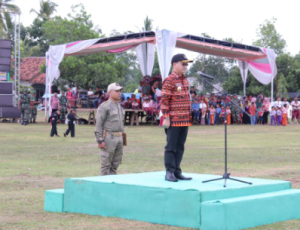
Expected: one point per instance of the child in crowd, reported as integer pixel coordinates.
(135, 105)
(122, 102)
(147, 108)
(252, 111)
(212, 114)
(203, 111)
(228, 111)
(128, 103)
(158, 95)
(222, 115)
(279, 116)
(195, 109)
(218, 112)
(284, 115)
(153, 106)
(273, 116)
(260, 115)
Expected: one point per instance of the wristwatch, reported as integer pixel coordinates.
(99, 141)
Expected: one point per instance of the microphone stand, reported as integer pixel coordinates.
(226, 175)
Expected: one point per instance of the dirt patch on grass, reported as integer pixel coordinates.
(24, 181)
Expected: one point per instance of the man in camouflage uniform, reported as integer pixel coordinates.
(236, 109)
(33, 107)
(24, 106)
(62, 105)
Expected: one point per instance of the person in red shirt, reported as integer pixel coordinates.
(176, 109)
(252, 111)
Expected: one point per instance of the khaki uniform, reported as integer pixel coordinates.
(109, 127)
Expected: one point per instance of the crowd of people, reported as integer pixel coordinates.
(254, 110)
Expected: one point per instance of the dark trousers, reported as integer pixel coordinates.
(217, 119)
(265, 117)
(196, 114)
(54, 129)
(71, 128)
(176, 137)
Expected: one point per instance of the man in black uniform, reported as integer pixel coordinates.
(71, 128)
(54, 119)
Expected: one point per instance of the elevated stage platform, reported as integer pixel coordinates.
(193, 204)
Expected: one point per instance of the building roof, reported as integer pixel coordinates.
(30, 70)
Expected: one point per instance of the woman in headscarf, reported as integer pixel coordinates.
(246, 118)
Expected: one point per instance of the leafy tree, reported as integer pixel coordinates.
(282, 85)
(84, 71)
(36, 42)
(269, 37)
(47, 8)
(147, 24)
(6, 25)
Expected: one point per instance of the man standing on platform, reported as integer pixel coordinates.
(109, 131)
(176, 109)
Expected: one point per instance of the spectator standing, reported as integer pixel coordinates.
(252, 113)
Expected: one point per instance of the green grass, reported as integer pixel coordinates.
(32, 162)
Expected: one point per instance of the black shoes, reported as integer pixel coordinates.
(170, 177)
(65, 134)
(181, 177)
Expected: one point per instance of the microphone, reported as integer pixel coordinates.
(205, 75)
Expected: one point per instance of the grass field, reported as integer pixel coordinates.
(32, 162)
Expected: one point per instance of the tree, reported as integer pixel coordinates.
(269, 38)
(147, 24)
(85, 71)
(282, 85)
(47, 8)
(36, 43)
(6, 25)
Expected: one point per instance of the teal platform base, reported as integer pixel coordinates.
(207, 206)
(54, 200)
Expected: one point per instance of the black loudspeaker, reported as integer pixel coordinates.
(6, 100)
(10, 112)
(6, 88)
(5, 55)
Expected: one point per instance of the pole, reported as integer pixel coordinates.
(15, 80)
(226, 175)
(272, 89)
(19, 53)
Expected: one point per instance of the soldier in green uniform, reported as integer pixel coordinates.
(24, 106)
(33, 107)
(63, 106)
(235, 110)
(109, 131)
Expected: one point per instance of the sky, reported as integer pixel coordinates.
(237, 19)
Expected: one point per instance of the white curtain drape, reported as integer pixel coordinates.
(54, 56)
(165, 43)
(244, 72)
(146, 54)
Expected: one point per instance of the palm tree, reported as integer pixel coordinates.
(147, 24)
(6, 9)
(47, 8)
